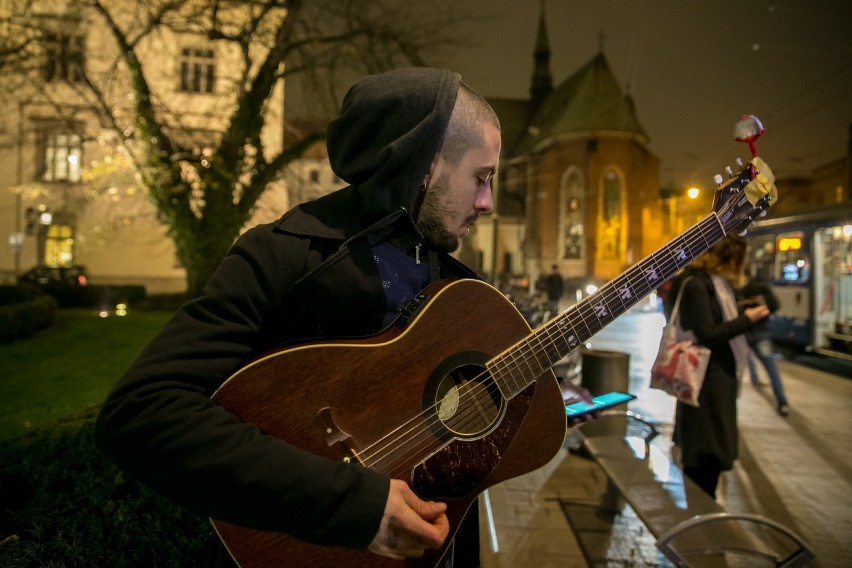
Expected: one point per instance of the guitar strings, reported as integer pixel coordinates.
(421, 432)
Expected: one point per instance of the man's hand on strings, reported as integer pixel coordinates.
(409, 525)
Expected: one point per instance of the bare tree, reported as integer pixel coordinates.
(205, 180)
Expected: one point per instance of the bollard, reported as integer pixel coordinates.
(603, 372)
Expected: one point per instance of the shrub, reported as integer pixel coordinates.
(95, 296)
(64, 504)
(14, 295)
(25, 318)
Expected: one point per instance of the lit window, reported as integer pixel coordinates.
(59, 245)
(197, 70)
(61, 154)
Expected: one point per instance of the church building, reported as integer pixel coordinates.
(578, 187)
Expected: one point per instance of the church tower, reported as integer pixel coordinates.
(542, 81)
(579, 187)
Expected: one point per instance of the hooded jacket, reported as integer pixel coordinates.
(310, 274)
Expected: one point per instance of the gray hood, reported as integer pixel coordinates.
(390, 128)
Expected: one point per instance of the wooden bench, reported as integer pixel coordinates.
(691, 528)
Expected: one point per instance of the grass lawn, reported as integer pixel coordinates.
(68, 367)
(63, 503)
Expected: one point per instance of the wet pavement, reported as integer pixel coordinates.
(795, 470)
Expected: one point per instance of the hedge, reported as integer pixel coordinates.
(24, 318)
(62, 503)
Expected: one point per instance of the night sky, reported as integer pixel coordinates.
(692, 68)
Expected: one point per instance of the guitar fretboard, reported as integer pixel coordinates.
(519, 365)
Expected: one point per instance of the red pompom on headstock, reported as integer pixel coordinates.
(748, 129)
(747, 195)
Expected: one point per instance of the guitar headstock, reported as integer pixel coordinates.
(749, 194)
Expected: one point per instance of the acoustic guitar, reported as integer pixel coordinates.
(472, 401)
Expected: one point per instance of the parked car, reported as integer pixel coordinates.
(55, 276)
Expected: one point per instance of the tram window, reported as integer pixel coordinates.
(791, 261)
(762, 256)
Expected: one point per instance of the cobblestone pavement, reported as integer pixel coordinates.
(795, 470)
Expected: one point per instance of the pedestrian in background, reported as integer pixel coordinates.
(707, 435)
(555, 287)
(757, 291)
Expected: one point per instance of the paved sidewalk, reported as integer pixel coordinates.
(795, 470)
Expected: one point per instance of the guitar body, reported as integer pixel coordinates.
(417, 401)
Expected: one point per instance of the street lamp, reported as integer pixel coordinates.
(45, 218)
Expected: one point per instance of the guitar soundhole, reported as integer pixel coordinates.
(466, 400)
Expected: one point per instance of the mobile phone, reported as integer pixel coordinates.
(600, 402)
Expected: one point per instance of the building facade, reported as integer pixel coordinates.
(69, 190)
(578, 187)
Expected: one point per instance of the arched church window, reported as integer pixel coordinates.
(611, 230)
(572, 214)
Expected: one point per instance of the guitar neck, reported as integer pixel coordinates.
(522, 363)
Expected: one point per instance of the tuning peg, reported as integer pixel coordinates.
(764, 212)
(718, 179)
(729, 171)
(739, 162)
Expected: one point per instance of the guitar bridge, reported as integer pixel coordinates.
(334, 436)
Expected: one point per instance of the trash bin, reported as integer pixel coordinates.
(605, 371)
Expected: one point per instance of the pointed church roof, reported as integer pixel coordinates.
(590, 100)
(542, 80)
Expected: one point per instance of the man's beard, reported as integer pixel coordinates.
(433, 211)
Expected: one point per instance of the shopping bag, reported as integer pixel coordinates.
(680, 366)
(681, 362)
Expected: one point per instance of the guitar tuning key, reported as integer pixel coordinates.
(718, 179)
(729, 171)
(740, 162)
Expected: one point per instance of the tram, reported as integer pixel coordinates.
(807, 258)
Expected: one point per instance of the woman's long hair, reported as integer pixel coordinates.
(726, 258)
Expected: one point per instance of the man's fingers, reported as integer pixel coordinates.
(409, 524)
(431, 510)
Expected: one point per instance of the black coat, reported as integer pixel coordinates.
(707, 435)
(749, 295)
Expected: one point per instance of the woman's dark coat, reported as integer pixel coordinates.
(707, 435)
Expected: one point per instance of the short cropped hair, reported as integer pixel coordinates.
(464, 130)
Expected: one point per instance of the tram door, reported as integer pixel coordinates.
(832, 290)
